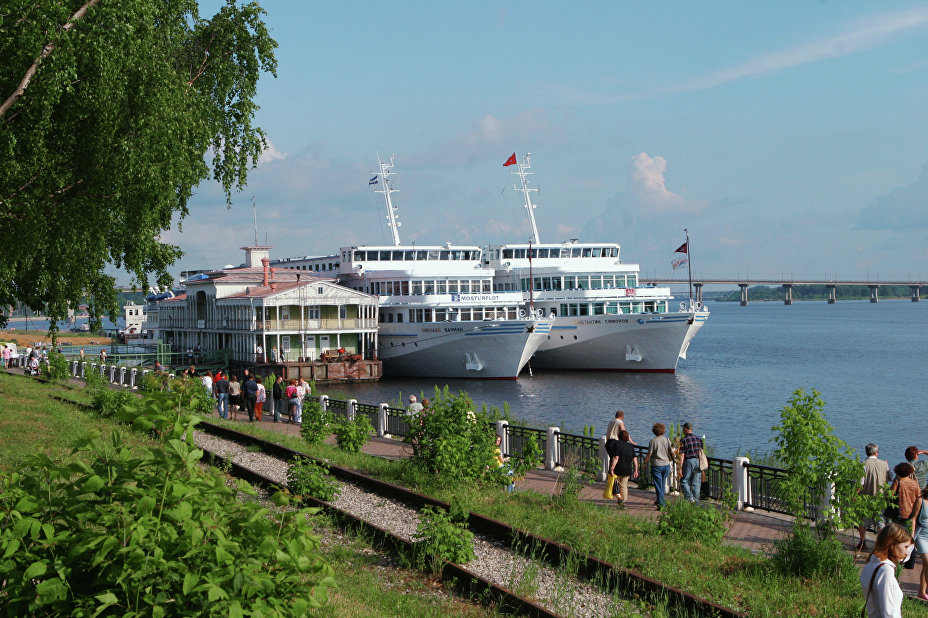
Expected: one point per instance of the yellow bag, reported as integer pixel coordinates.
(610, 483)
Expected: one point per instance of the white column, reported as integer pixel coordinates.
(382, 419)
(739, 482)
(352, 409)
(551, 449)
(502, 430)
(603, 460)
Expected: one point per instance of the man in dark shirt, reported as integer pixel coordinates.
(250, 392)
(279, 404)
(221, 390)
(625, 467)
(690, 474)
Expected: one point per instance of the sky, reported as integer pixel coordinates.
(789, 138)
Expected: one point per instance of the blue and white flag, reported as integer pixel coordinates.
(677, 263)
(373, 181)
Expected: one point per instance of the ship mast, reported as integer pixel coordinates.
(383, 178)
(529, 207)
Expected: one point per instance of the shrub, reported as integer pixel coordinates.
(316, 422)
(57, 366)
(697, 522)
(150, 533)
(804, 554)
(445, 535)
(453, 443)
(306, 477)
(529, 459)
(352, 435)
(194, 395)
(152, 382)
(571, 480)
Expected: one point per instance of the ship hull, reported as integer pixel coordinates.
(629, 342)
(465, 350)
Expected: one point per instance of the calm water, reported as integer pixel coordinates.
(867, 361)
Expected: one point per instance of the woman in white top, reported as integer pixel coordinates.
(881, 591)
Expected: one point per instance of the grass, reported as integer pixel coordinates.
(728, 575)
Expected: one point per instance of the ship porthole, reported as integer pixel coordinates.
(562, 336)
(575, 336)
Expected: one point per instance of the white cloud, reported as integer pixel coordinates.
(863, 34)
(648, 188)
(271, 154)
(904, 208)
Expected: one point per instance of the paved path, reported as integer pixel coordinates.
(751, 529)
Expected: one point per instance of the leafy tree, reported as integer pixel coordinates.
(107, 112)
(816, 459)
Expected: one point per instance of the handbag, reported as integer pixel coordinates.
(703, 460)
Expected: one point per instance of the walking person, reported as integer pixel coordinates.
(302, 390)
(660, 450)
(259, 401)
(278, 395)
(235, 396)
(876, 474)
(690, 474)
(207, 381)
(920, 465)
(921, 542)
(293, 400)
(882, 594)
(250, 395)
(616, 425)
(221, 390)
(907, 491)
(414, 406)
(625, 467)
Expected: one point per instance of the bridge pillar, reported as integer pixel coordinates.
(915, 292)
(698, 287)
(744, 294)
(874, 293)
(832, 294)
(788, 289)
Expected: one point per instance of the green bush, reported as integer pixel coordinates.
(307, 478)
(196, 397)
(530, 458)
(316, 422)
(151, 383)
(151, 533)
(805, 553)
(352, 435)
(57, 366)
(453, 443)
(445, 535)
(696, 522)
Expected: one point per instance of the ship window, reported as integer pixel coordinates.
(583, 282)
(452, 286)
(433, 254)
(563, 310)
(546, 283)
(584, 309)
(465, 286)
(587, 252)
(507, 254)
(632, 281)
(596, 282)
(565, 252)
(399, 317)
(511, 313)
(405, 288)
(556, 283)
(599, 309)
(573, 309)
(441, 287)
(612, 308)
(620, 281)
(444, 255)
(441, 315)
(384, 256)
(420, 255)
(416, 288)
(429, 287)
(542, 253)
(371, 256)
(596, 251)
(520, 253)
(570, 282)
(409, 255)
(465, 315)
(398, 255)
(487, 284)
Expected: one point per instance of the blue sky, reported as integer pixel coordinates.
(788, 137)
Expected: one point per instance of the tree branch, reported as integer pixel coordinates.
(46, 51)
(203, 64)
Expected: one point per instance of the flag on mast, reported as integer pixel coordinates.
(373, 181)
(680, 261)
(510, 161)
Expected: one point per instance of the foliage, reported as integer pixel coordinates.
(316, 422)
(815, 458)
(352, 435)
(108, 402)
(452, 442)
(197, 398)
(306, 477)
(571, 480)
(445, 535)
(803, 553)
(151, 382)
(694, 522)
(58, 370)
(108, 116)
(530, 458)
(150, 533)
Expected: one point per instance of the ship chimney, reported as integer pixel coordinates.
(273, 286)
(264, 262)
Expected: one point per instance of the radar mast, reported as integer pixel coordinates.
(384, 178)
(526, 191)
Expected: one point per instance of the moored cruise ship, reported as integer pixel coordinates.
(603, 319)
(439, 314)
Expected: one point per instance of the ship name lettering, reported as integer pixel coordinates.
(454, 330)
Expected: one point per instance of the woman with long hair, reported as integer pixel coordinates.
(882, 594)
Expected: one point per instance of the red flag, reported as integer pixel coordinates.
(510, 161)
(681, 248)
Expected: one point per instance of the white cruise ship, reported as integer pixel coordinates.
(439, 314)
(603, 319)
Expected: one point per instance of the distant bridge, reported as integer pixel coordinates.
(787, 285)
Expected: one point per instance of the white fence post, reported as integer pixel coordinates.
(603, 460)
(324, 402)
(826, 510)
(83, 369)
(502, 428)
(122, 376)
(133, 378)
(382, 419)
(551, 449)
(352, 409)
(739, 482)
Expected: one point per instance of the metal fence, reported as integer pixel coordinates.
(584, 448)
(397, 422)
(765, 493)
(718, 477)
(338, 407)
(518, 436)
(371, 412)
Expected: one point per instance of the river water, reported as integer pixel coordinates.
(866, 359)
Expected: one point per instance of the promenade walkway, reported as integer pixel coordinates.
(753, 530)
